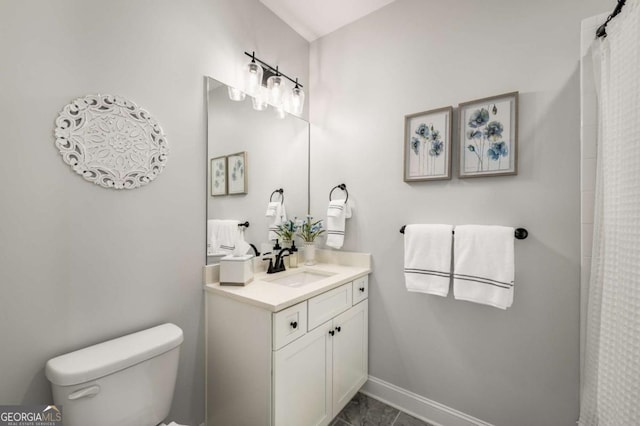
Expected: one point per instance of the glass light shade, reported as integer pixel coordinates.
(253, 78)
(236, 94)
(276, 88)
(297, 100)
(259, 100)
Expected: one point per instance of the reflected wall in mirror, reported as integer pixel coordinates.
(277, 156)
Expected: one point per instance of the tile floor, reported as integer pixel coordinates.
(365, 411)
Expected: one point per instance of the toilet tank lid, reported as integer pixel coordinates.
(111, 356)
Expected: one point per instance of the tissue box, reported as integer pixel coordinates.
(236, 270)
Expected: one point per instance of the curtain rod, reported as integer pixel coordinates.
(602, 29)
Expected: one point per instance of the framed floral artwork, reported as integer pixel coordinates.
(488, 136)
(427, 145)
(218, 174)
(237, 173)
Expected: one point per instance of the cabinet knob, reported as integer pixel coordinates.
(331, 332)
(338, 328)
(294, 324)
(362, 289)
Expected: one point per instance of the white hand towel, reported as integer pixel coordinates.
(337, 212)
(277, 215)
(227, 236)
(272, 208)
(221, 233)
(427, 258)
(484, 265)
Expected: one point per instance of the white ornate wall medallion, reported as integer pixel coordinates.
(111, 142)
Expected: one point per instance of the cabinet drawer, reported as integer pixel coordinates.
(327, 305)
(360, 289)
(289, 324)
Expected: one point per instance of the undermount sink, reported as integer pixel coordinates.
(300, 279)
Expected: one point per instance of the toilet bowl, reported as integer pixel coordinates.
(128, 381)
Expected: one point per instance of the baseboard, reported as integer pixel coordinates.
(418, 406)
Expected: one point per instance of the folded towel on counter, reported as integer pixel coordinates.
(276, 215)
(337, 212)
(484, 265)
(222, 236)
(427, 258)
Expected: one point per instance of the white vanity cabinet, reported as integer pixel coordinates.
(318, 374)
(297, 366)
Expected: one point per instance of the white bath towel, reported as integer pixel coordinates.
(337, 213)
(276, 215)
(427, 258)
(222, 236)
(484, 265)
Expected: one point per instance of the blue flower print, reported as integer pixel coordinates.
(423, 130)
(436, 148)
(435, 134)
(471, 148)
(494, 130)
(497, 150)
(415, 145)
(480, 117)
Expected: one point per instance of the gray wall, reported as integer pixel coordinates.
(78, 263)
(515, 367)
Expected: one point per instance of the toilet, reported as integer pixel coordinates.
(128, 381)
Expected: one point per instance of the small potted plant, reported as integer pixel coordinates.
(309, 231)
(287, 231)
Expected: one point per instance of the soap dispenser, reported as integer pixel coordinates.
(293, 257)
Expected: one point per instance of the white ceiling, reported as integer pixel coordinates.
(314, 18)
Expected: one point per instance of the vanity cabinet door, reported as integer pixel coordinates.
(350, 354)
(302, 380)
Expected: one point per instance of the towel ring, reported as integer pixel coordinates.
(341, 186)
(278, 191)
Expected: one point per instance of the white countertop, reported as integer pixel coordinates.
(276, 297)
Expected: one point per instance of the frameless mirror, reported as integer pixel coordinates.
(250, 154)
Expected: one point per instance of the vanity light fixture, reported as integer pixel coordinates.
(253, 76)
(274, 90)
(297, 99)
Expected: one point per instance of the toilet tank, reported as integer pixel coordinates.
(128, 381)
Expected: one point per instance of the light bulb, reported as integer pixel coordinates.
(276, 88)
(297, 100)
(253, 78)
(236, 94)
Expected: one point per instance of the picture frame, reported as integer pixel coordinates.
(488, 136)
(237, 173)
(427, 145)
(218, 176)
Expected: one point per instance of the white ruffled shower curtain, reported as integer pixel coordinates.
(611, 387)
